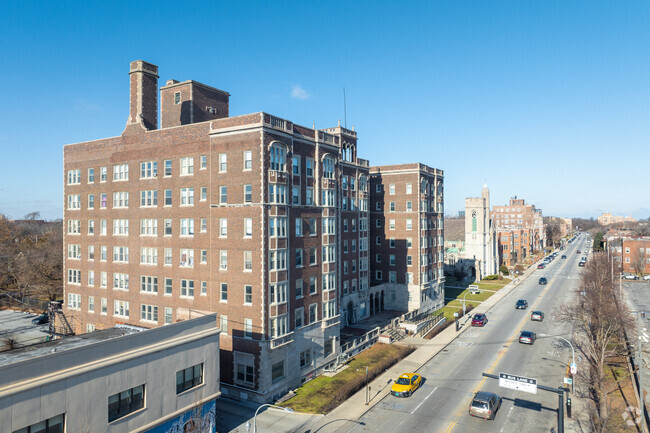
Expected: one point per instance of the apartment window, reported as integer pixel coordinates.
(391, 224)
(248, 193)
(298, 226)
(391, 189)
(409, 260)
(392, 259)
(204, 225)
(120, 200)
(204, 162)
(299, 258)
(187, 226)
(168, 167)
(278, 155)
(223, 259)
(168, 286)
(51, 425)
(148, 256)
(168, 226)
(74, 301)
(120, 281)
(312, 227)
(91, 175)
(187, 196)
(377, 258)
(223, 227)
(74, 251)
(345, 267)
(204, 257)
(309, 196)
(121, 254)
(148, 227)
(148, 284)
(223, 163)
(104, 305)
(378, 205)
(278, 260)
(299, 289)
(248, 160)
(74, 227)
(345, 246)
(409, 242)
(168, 316)
(177, 98)
(309, 167)
(91, 201)
(354, 245)
(278, 227)
(409, 206)
(409, 188)
(125, 402)
(279, 326)
(223, 194)
(378, 275)
(409, 224)
(295, 166)
(187, 166)
(392, 242)
(102, 174)
(378, 223)
(329, 198)
(91, 252)
(248, 227)
(121, 308)
(328, 167)
(74, 201)
(248, 328)
(148, 169)
(223, 292)
(312, 256)
(277, 194)
(103, 253)
(245, 373)
(120, 227)
(187, 288)
(295, 195)
(329, 226)
(392, 277)
(187, 258)
(149, 313)
(344, 182)
(120, 172)
(409, 278)
(313, 313)
(329, 253)
(345, 225)
(168, 197)
(392, 206)
(299, 316)
(312, 285)
(248, 295)
(149, 198)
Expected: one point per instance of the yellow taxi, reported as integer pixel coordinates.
(406, 384)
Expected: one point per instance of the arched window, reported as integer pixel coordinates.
(328, 167)
(473, 221)
(278, 157)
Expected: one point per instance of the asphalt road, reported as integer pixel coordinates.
(454, 375)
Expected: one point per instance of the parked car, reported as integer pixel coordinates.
(527, 337)
(543, 281)
(485, 405)
(541, 266)
(41, 319)
(564, 256)
(479, 320)
(537, 316)
(521, 304)
(630, 277)
(581, 264)
(406, 384)
(646, 277)
(578, 252)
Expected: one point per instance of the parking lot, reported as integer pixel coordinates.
(17, 326)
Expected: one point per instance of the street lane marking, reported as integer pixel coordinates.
(507, 416)
(425, 399)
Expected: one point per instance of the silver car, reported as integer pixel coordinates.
(485, 405)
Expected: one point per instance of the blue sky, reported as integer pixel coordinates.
(546, 100)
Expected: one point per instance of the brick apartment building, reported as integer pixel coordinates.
(606, 219)
(514, 245)
(632, 252)
(518, 215)
(253, 217)
(406, 236)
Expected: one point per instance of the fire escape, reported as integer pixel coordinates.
(59, 325)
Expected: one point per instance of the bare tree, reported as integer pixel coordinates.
(638, 261)
(600, 321)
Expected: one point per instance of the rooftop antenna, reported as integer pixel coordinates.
(345, 110)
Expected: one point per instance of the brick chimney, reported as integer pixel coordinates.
(143, 104)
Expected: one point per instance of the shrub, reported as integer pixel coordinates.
(491, 277)
(504, 270)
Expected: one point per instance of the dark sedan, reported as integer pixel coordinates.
(543, 281)
(521, 304)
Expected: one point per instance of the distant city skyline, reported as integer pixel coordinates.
(545, 100)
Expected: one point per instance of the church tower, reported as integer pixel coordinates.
(480, 234)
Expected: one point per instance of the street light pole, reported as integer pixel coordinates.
(573, 352)
(286, 409)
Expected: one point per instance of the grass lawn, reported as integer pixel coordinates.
(620, 397)
(453, 305)
(323, 394)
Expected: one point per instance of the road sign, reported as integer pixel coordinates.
(574, 368)
(519, 383)
(473, 289)
(455, 314)
(568, 380)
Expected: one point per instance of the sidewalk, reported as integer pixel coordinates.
(347, 414)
